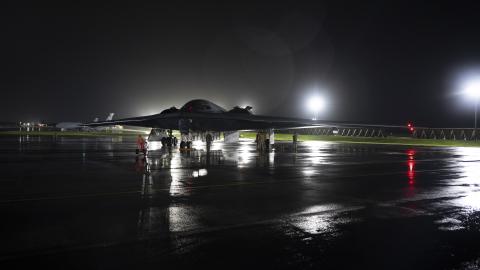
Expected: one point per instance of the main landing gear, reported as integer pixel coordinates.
(169, 141)
(165, 136)
(185, 145)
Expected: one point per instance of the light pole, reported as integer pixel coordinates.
(472, 89)
(475, 124)
(476, 106)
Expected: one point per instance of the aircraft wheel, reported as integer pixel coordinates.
(189, 144)
(182, 145)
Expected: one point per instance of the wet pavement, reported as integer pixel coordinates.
(83, 203)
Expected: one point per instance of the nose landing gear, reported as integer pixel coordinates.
(186, 141)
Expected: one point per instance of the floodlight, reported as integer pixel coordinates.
(472, 88)
(316, 104)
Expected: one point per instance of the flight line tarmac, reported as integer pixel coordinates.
(93, 203)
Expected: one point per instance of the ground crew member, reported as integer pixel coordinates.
(261, 141)
(209, 140)
(295, 139)
(140, 144)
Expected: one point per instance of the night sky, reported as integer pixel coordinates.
(380, 62)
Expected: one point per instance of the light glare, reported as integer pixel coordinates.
(316, 104)
(472, 88)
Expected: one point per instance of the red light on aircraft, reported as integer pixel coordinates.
(412, 129)
(409, 125)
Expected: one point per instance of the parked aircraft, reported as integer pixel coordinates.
(63, 126)
(199, 117)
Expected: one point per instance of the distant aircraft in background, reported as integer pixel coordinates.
(110, 117)
(63, 126)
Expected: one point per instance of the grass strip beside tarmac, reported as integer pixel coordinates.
(278, 137)
(369, 140)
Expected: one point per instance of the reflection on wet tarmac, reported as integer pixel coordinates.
(316, 223)
(317, 219)
(411, 166)
(468, 179)
(323, 192)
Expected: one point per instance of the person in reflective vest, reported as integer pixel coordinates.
(140, 144)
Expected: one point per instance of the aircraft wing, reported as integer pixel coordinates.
(253, 122)
(224, 122)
